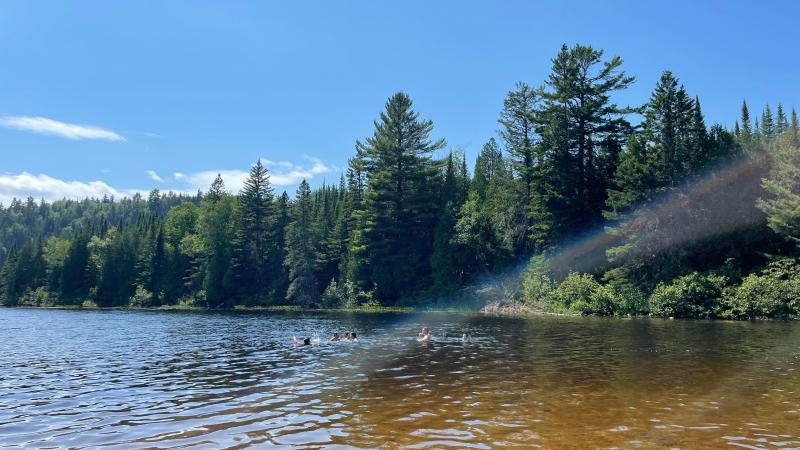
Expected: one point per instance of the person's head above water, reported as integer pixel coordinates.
(307, 341)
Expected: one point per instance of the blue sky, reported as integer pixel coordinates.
(120, 96)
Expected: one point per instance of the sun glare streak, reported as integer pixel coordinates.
(699, 210)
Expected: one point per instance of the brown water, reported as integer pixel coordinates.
(75, 379)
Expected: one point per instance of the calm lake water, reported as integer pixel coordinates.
(206, 380)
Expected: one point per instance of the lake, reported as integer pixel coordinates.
(129, 379)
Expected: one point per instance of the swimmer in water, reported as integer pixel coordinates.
(424, 335)
(351, 336)
(464, 337)
(336, 337)
(306, 341)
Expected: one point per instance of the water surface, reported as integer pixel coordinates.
(118, 379)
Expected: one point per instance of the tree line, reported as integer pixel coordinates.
(407, 222)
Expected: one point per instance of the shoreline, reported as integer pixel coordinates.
(510, 309)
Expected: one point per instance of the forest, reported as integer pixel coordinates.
(612, 210)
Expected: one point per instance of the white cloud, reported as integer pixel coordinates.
(154, 176)
(319, 166)
(43, 125)
(281, 173)
(41, 186)
(234, 179)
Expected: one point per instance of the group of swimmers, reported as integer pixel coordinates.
(424, 336)
(350, 336)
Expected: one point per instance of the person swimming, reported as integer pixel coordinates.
(336, 337)
(351, 336)
(424, 335)
(305, 341)
(464, 337)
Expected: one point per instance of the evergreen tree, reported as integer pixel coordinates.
(746, 130)
(781, 123)
(486, 166)
(280, 274)
(447, 266)
(9, 282)
(303, 289)
(400, 213)
(158, 264)
(76, 277)
(782, 206)
(254, 240)
(581, 128)
(519, 133)
(767, 123)
(216, 232)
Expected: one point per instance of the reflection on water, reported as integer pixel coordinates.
(196, 380)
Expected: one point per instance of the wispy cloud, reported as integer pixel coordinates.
(281, 173)
(319, 166)
(234, 179)
(43, 125)
(154, 176)
(41, 186)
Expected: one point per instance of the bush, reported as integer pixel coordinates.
(774, 293)
(691, 296)
(141, 297)
(536, 285)
(39, 297)
(579, 293)
(628, 298)
(345, 296)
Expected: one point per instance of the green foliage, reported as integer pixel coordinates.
(537, 287)
(773, 293)
(578, 293)
(623, 214)
(141, 297)
(300, 257)
(396, 228)
(253, 242)
(346, 296)
(782, 203)
(690, 296)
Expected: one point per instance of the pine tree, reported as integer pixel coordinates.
(217, 189)
(75, 274)
(519, 133)
(396, 230)
(794, 130)
(280, 275)
(782, 206)
(9, 282)
(254, 240)
(303, 289)
(446, 265)
(216, 231)
(158, 264)
(699, 158)
(579, 124)
(781, 123)
(486, 166)
(767, 123)
(746, 130)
